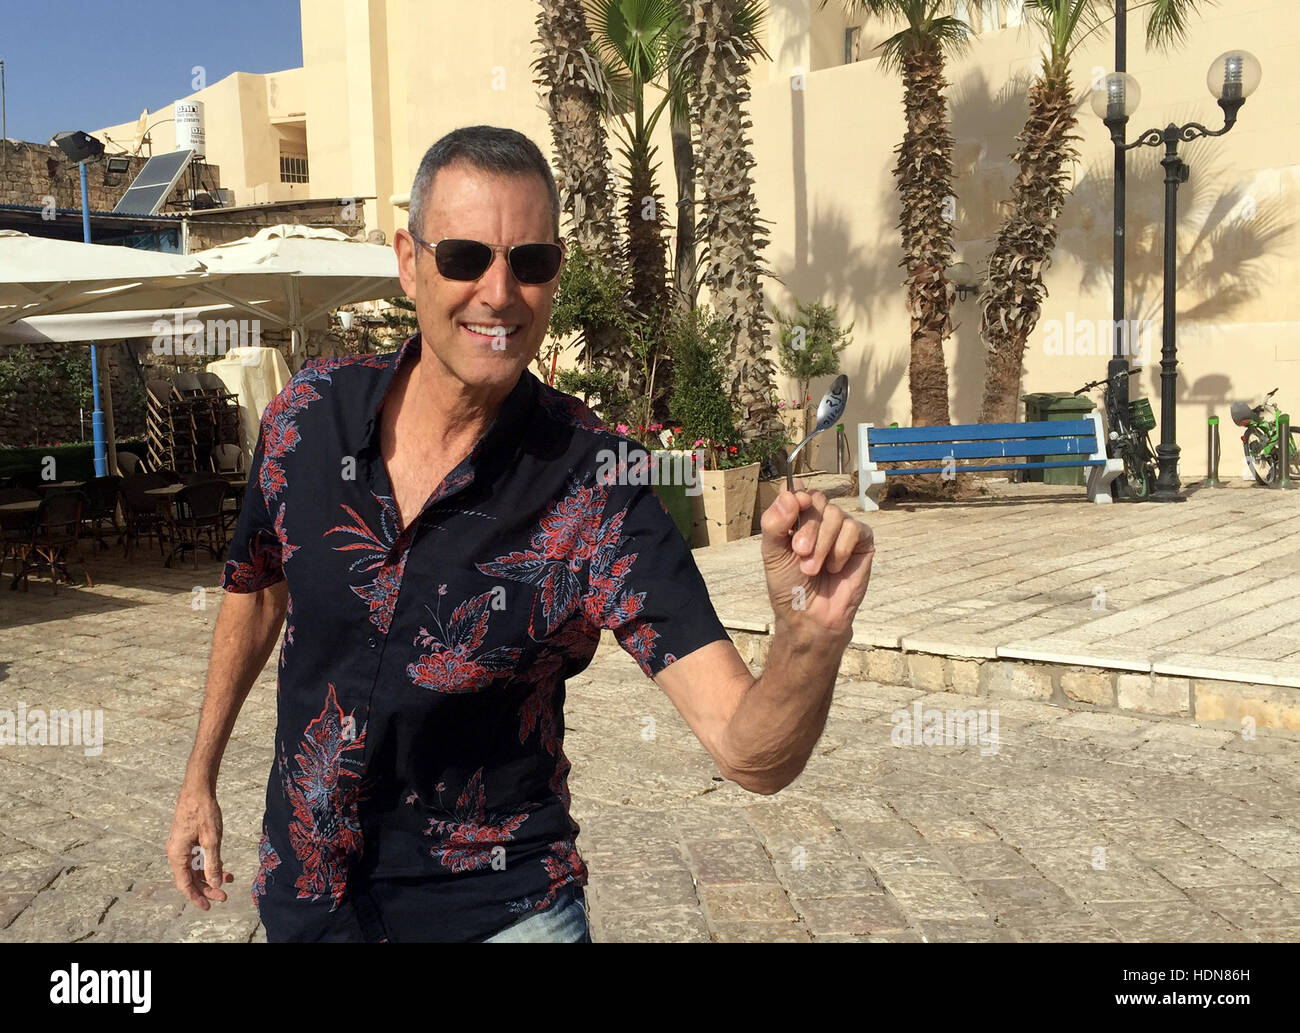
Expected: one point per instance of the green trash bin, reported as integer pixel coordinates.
(1054, 408)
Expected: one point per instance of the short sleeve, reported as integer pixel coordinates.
(644, 586)
(254, 560)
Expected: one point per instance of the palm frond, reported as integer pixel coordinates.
(633, 33)
(952, 34)
(1167, 21)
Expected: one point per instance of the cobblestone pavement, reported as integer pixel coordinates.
(1078, 826)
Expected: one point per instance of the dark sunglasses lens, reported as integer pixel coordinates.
(536, 263)
(462, 259)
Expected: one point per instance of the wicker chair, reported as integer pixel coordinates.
(199, 515)
(103, 495)
(145, 514)
(53, 540)
(129, 463)
(227, 458)
(16, 528)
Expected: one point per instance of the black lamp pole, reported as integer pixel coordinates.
(1168, 487)
(1119, 360)
(1240, 76)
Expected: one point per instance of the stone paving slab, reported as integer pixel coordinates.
(1080, 825)
(1055, 578)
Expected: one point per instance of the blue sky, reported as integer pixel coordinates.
(83, 64)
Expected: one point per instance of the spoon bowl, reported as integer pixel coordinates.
(829, 411)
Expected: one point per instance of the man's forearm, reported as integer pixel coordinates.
(246, 632)
(781, 716)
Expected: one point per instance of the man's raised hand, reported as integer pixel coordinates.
(817, 575)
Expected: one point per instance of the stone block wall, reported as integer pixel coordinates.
(30, 173)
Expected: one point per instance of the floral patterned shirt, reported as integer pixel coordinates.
(420, 722)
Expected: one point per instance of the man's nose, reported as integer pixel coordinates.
(498, 285)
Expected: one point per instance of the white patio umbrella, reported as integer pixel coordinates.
(42, 276)
(294, 276)
(106, 326)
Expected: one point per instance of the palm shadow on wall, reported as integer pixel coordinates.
(1225, 240)
(985, 121)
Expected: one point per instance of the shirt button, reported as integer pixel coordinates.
(371, 641)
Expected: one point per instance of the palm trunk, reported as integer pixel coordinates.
(684, 265)
(1012, 302)
(647, 248)
(571, 78)
(924, 175)
(729, 221)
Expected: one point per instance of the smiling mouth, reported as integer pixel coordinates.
(491, 333)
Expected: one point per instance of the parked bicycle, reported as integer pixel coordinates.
(1129, 424)
(1261, 440)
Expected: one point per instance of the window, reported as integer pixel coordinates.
(293, 169)
(1015, 13)
(852, 44)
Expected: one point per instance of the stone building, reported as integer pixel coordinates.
(40, 194)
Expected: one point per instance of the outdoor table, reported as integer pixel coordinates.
(21, 508)
(50, 485)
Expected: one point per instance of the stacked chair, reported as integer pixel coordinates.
(186, 419)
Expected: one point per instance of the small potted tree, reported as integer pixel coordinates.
(723, 507)
(809, 343)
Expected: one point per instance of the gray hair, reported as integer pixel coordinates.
(490, 148)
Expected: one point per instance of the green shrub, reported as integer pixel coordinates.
(809, 342)
(697, 341)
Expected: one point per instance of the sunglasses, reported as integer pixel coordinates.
(531, 264)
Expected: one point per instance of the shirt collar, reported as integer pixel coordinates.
(499, 444)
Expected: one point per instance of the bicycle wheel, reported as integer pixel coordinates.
(1262, 461)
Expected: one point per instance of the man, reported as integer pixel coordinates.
(432, 526)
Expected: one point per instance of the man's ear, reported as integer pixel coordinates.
(408, 254)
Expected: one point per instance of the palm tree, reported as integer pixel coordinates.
(1012, 300)
(749, 22)
(924, 175)
(632, 40)
(715, 57)
(574, 84)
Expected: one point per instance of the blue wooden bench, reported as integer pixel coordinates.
(1019, 446)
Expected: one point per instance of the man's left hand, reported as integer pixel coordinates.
(817, 576)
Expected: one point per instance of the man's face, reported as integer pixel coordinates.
(466, 202)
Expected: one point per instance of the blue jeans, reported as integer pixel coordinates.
(565, 921)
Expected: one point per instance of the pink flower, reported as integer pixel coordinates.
(698, 443)
(622, 428)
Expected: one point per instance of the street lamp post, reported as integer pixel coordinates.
(1232, 78)
(81, 148)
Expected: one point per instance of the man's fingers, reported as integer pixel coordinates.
(779, 518)
(846, 541)
(186, 879)
(211, 857)
(828, 521)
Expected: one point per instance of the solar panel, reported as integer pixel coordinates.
(150, 190)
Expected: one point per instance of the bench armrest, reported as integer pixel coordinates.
(871, 479)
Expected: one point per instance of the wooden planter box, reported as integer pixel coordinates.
(724, 509)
